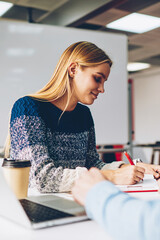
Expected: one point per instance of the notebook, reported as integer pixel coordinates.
(149, 184)
(38, 211)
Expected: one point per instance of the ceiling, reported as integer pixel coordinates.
(94, 15)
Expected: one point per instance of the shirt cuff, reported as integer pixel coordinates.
(113, 166)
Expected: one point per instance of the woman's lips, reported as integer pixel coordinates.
(94, 95)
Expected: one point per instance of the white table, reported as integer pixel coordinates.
(76, 231)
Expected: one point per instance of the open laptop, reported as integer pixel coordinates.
(38, 211)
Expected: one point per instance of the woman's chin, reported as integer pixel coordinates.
(88, 102)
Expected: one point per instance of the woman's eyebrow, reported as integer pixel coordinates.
(102, 75)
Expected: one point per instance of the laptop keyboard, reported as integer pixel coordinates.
(39, 213)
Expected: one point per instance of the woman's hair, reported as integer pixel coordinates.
(85, 54)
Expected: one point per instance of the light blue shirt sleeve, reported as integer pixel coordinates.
(122, 216)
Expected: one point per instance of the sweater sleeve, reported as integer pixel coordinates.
(121, 215)
(93, 159)
(29, 141)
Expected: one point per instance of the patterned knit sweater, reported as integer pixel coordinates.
(59, 150)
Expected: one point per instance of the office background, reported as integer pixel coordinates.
(94, 15)
(29, 56)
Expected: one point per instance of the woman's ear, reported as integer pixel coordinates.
(72, 69)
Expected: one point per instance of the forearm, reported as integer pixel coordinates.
(108, 174)
(109, 170)
(122, 216)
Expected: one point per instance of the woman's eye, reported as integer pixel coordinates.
(97, 79)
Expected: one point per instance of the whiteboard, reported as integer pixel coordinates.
(28, 56)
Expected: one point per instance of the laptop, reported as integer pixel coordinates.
(38, 211)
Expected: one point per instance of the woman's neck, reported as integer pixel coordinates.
(61, 103)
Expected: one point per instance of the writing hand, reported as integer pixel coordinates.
(125, 175)
(151, 169)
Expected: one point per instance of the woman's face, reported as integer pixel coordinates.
(88, 82)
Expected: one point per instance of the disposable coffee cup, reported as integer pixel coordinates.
(16, 173)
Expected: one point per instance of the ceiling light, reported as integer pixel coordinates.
(4, 7)
(135, 22)
(137, 66)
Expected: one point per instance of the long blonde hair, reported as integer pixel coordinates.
(86, 54)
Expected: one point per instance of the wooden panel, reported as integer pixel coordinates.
(153, 10)
(40, 4)
(108, 16)
(146, 39)
(143, 53)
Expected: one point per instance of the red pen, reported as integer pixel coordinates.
(129, 158)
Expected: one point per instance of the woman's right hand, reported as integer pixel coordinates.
(126, 175)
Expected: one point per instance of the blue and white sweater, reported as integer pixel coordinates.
(59, 150)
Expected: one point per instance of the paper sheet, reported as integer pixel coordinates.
(149, 184)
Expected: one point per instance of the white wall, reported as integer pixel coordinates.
(29, 54)
(147, 108)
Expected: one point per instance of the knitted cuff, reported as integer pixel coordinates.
(113, 166)
(68, 178)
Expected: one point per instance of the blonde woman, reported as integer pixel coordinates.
(56, 132)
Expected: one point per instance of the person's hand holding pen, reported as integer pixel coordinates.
(126, 174)
(149, 168)
(131, 174)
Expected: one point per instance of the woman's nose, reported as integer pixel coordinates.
(101, 88)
